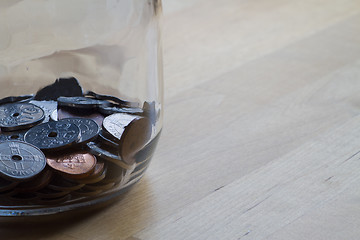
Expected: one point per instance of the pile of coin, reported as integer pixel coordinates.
(62, 145)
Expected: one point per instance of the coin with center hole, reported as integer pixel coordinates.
(20, 161)
(53, 135)
(47, 106)
(16, 116)
(89, 129)
(13, 135)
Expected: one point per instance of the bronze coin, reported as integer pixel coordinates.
(91, 180)
(74, 165)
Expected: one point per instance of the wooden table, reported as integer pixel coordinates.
(262, 129)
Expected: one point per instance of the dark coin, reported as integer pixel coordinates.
(53, 201)
(13, 135)
(99, 186)
(47, 106)
(20, 161)
(98, 151)
(68, 87)
(86, 193)
(105, 140)
(150, 111)
(16, 116)
(60, 183)
(112, 98)
(13, 99)
(37, 183)
(89, 129)
(62, 114)
(108, 110)
(53, 135)
(80, 102)
(51, 193)
(6, 185)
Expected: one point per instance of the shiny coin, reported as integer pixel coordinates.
(13, 135)
(102, 153)
(108, 110)
(53, 135)
(20, 161)
(132, 133)
(16, 116)
(13, 99)
(48, 106)
(80, 102)
(62, 114)
(54, 115)
(89, 129)
(112, 98)
(74, 165)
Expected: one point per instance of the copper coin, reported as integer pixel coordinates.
(74, 165)
(97, 176)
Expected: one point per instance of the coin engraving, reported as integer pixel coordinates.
(89, 129)
(15, 116)
(53, 135)
(20, 160)
(79, 164)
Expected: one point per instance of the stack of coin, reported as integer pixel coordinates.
(54, 151)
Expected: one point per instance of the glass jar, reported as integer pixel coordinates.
(65, 65)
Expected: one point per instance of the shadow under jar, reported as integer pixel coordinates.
(80, 101)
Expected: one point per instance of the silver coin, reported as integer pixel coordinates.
(89, 129)
(54, 115)
(53, 135)
(116, 123)
(106, 140)
(80, 102)
(106, 155)
(108, 110)
(112, 98)
(47, 106)
(13, 99)
(16, 116)
(20, 161)
(13, 135)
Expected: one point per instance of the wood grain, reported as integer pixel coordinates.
(261, 133)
